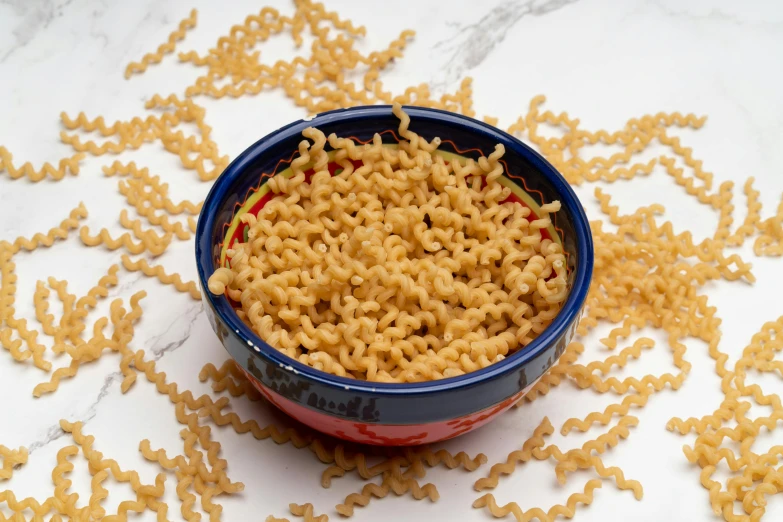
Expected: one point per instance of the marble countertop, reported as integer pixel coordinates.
(604, 61)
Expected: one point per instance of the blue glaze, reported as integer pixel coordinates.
(410, 403)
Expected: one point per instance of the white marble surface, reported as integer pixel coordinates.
(603, 60)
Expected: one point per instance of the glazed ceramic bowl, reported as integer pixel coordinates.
(383, 413)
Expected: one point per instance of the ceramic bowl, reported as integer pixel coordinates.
(383, 413)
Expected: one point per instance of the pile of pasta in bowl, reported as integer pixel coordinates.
(409, 267)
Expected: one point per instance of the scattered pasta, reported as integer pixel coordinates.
(647, 275)
(158, 272)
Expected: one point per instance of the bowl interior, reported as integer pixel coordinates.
(532, 180)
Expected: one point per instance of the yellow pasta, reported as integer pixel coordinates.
(88, 351)
(568, 510)
(647, 275)
(158, 272)
(161, 190)
(27, 170)
(708, 449)
(12, 459)
(229, 377)
(516, 457)
(124, 241)
(165, 48)
(470, 322)
(390, 483)
(306, 511)
(60, 232)
(9, 324)
(638, 400)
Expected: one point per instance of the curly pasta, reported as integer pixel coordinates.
(306, 511)
(445, 327)
(516, 457)
(164, 48)
(647, 275)
(229, 377)
(59, 232)
(9, 323)
(158, 272)
(27, 170)
(160, 199)
(568, 510)
(124, 241)
(390, 483)
(12, 459)
(82, 351)
(709, 448)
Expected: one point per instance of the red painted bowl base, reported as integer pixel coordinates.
(386, 434)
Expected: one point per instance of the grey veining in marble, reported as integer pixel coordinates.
(471, 44)
(35, 17)
(112, 380)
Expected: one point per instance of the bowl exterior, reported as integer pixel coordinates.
(361, 416)
(387, 434)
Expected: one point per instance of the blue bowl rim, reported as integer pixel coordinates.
(236, 169)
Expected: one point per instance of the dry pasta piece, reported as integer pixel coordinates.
(638, 400)
(59, 232)
(517, 456)
(165, 48)
(583, 459)
(711, 446)
(61, 484)
(306, 511)
(229, 377)
(8, 321)
(568, 510)
(27, 170)
(461, 459)
(554, 376)
(390, 483)
(108, 147)
(41, 303)
(124, 241)
(91, 350)
(158, 272)
(12, 459)
(162, 201)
